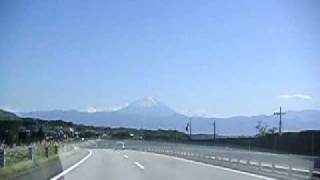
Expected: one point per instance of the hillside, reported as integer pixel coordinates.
(5, 115)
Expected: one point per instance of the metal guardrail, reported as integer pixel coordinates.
(278, 171)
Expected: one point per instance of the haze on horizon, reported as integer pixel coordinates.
(213, 58)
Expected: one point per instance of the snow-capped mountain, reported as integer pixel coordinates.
(148, 106)
(146, 112)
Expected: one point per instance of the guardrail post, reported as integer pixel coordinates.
(32, 153)
(59, 149)
(272, 164)
(47, 152)
(290, 170)
(2, 157)
(315, 169)
(55, 149)
(259, 164)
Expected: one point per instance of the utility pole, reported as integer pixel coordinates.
(190, 123)
(175, 134)
(214, 130)
(280, 113)
(312, 143)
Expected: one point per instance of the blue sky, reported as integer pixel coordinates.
(216, 58)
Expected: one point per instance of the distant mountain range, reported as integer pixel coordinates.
(149, 113)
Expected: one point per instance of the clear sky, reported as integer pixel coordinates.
(217, 58)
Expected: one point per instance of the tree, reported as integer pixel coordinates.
(40, 134)
(272, 130)
(261, 128)
(9, 131)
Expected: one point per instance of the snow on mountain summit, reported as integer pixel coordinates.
(148, 101)
(148, 106)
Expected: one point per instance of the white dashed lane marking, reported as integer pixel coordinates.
(139, 165)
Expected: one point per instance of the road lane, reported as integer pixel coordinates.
(133, 165)
(105, 164)
(158, 167)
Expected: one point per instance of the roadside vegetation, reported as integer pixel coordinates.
(18, 159)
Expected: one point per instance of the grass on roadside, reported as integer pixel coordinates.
(24, 166)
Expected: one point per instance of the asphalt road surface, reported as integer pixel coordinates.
(134, 165)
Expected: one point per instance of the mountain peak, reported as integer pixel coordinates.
(147, 101)
(148, 106)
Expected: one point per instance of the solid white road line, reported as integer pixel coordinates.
(126, 156)
(218, 167)
(139, 165)
(63, 173)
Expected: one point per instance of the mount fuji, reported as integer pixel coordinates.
(149, 107)
(147, 113)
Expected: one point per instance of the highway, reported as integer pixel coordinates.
(134, 165)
